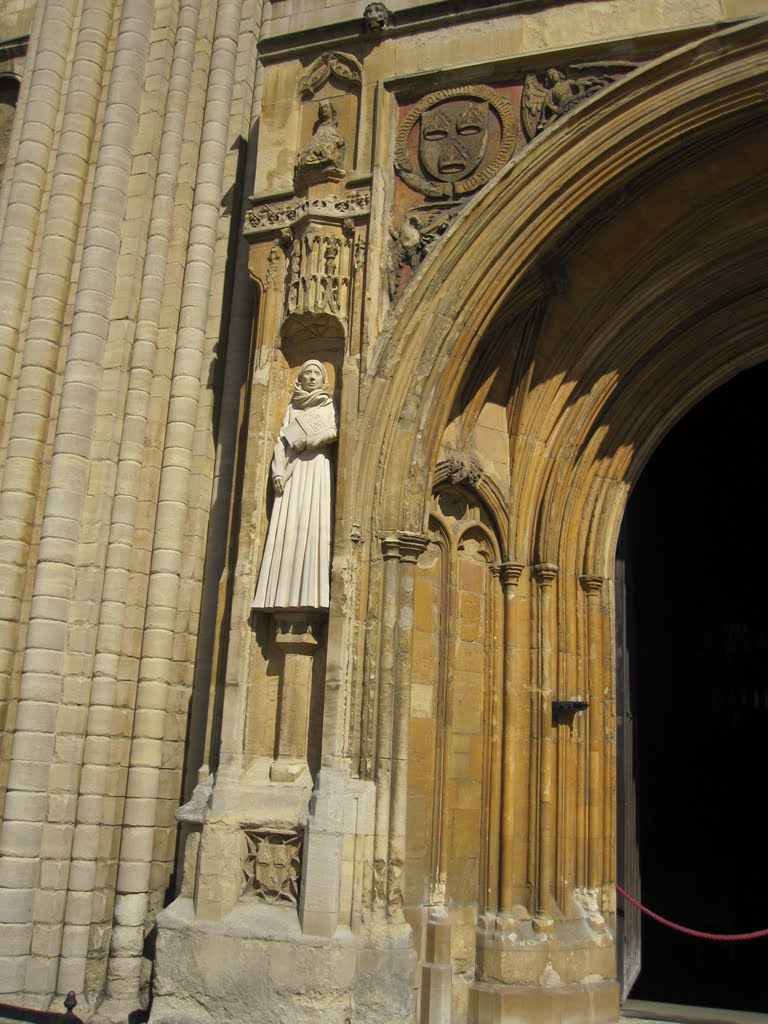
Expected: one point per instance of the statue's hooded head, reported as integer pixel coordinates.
(311, 384)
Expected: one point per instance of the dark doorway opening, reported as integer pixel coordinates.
(694, 549)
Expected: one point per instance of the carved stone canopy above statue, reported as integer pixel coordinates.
(465, 136)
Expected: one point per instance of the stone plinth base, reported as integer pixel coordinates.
(256, 965)
(589, 1003)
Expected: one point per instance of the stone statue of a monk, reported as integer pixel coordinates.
(295, 569)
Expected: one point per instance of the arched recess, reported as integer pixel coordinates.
(498, 258)
(454, 783)
(619, 265)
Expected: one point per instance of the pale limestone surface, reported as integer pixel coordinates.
(296, 566)
(494, 407)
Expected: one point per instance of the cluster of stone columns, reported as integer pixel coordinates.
(112, 264)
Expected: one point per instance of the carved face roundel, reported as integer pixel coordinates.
(465, 134)
(453, 139)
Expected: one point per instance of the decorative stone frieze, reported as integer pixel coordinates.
(270, 218)
(318, 246)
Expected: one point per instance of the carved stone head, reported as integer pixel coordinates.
(377, 18)
(453, 139)
(312, 376)
(552, 77)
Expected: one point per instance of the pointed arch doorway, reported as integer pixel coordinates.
(693, 666)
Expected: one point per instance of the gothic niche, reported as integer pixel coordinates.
(455, 703)
(329, 125)
(558, 92)
(323, 156)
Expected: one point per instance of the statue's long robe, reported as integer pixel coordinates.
(295, 568)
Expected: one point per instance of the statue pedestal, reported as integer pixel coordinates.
(298, 637)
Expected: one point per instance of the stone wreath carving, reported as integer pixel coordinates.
(453, 141)
(560, 91)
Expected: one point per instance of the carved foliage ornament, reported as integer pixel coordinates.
(274, 217)
(558, 92)
(272, 866)
(454, 131)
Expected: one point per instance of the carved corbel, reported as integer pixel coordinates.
(376, 19)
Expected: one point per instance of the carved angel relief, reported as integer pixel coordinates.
(408, 245)
(559, 92)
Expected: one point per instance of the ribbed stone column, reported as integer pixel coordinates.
(25, 193)
(20, 489)
(147, 752)
(411, 546)
(44, 732)
(106, 742)
(384, 724)
(592, 585)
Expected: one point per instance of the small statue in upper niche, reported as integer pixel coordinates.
(559, 93)
(377, 18)
(322, 157)
(295, 569)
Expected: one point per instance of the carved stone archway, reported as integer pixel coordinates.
(620, 265)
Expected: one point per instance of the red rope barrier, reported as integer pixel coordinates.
(740, 937)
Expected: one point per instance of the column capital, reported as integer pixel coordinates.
(411, 545)
(390, 546)
(509, 573)
(591, 583)
(545, 573)
(405, 545)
